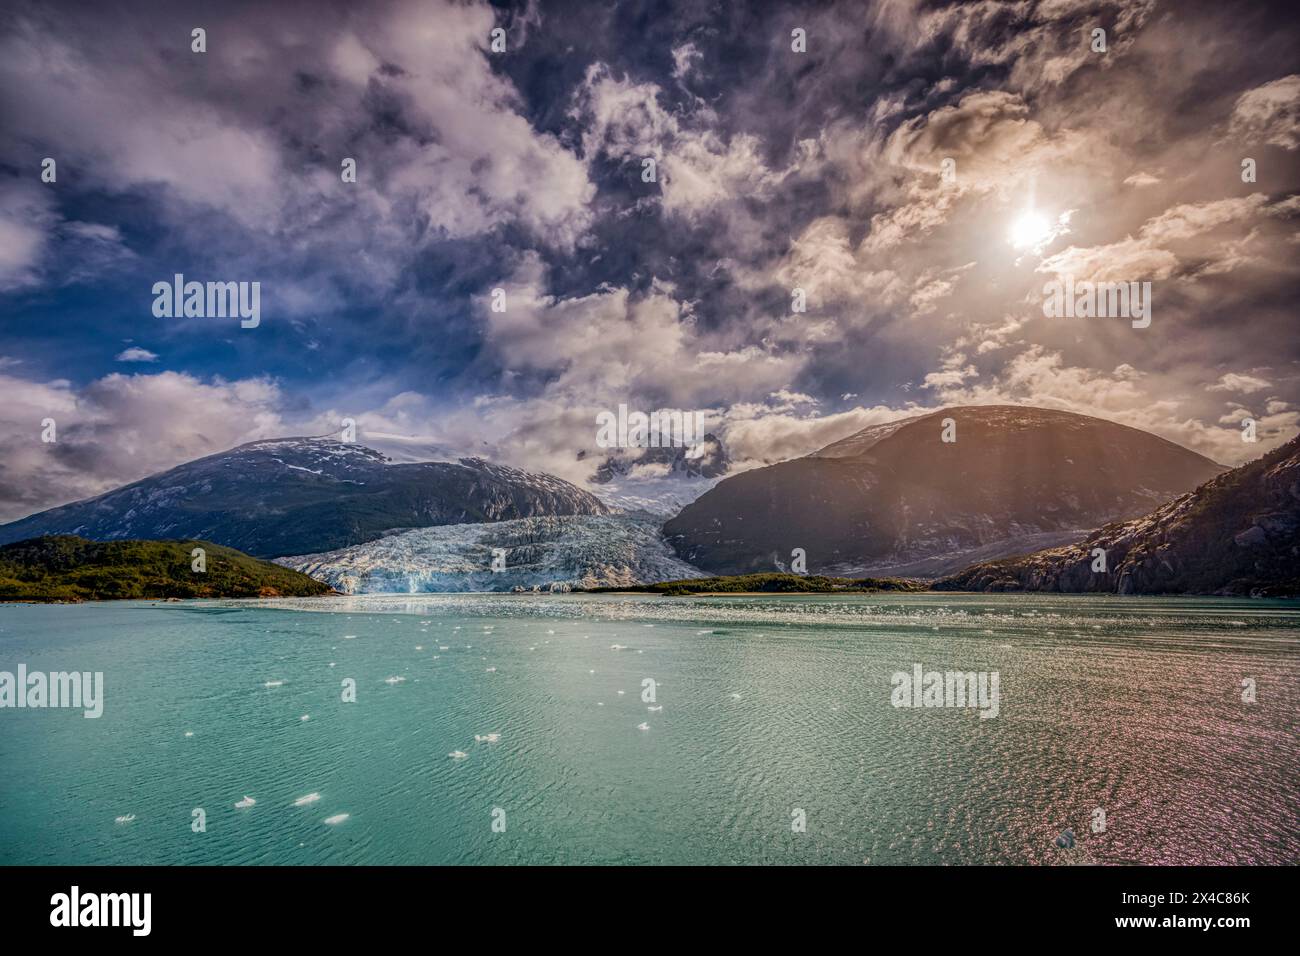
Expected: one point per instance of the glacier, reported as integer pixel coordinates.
(547, 553)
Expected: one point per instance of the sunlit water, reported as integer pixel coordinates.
(769, 705)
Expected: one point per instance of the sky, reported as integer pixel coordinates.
(821, 169)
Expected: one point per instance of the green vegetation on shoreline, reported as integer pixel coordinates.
(68, 568)
(773, 583)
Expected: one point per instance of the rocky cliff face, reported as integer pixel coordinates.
(896, 498)
(301, 495)
(1237, 534)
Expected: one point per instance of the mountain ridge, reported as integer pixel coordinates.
(897, 495)
(284, 496)
(1236, 534)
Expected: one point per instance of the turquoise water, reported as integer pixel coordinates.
(769, 704)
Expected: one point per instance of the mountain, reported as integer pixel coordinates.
(661, 481)
(897, 499)
(1238, 533)
(301, 495)
(66, 568)
(544, 552)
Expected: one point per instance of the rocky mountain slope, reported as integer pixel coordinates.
(302, 495)
(542, 552)
(1238, 533)
(66, 568)
(896, 498)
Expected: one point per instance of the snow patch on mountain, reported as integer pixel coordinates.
(859, 443)
(662, 495)
(547, 553)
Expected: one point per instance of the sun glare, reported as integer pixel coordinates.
(1030, 230)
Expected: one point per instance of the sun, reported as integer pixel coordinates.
(1030, 230)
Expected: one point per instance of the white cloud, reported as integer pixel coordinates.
(1268, 114)
(696, 168)
(119, 429)
(1235, 382)
(26, 219)
(1141, 179)
(1185, 227)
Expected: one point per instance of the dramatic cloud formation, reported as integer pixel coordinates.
(504, 266)
(118, 428)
